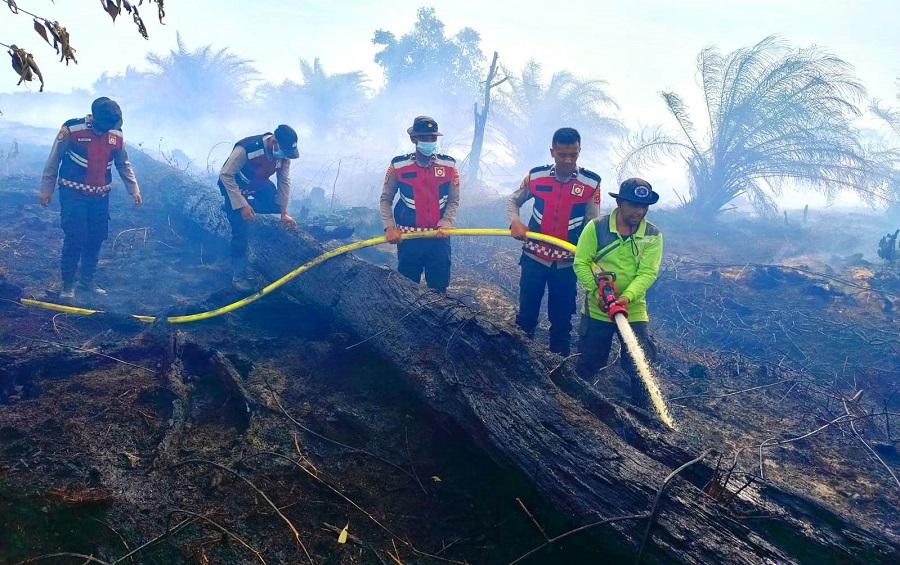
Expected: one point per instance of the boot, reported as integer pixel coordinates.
(240, 275)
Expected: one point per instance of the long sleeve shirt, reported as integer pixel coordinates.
(233, 166)
(50, 175)
(635, 259)
(389, 192)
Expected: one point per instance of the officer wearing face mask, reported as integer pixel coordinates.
(245, 184)
(81, 163)
(428, 186)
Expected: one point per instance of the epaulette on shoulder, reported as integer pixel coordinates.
(589, 174)
(540, 169)
(399, 158)
(444, 157)
(74, 122)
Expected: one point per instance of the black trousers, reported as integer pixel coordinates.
(262, 200)
(561, 295)
(84, 219)
(428, 256)
(595, 342)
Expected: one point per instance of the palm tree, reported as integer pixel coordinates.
(324, 101)
(184, 85)
(775, 114)
(530, 110)
(888, 149)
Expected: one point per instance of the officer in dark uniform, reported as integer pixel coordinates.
(81, 162)
(245, 184)
(428, 185)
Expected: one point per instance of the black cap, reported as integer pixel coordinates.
(637, 191)
(106, 114)
(423, 125)
(287, 141)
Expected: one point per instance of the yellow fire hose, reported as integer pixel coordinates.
(271, 287)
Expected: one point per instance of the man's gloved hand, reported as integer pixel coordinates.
(393, 235)
(45, 199)
(247, 213)
(288, 222)
(518, 229)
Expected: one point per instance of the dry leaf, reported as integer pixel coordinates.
(342, 538)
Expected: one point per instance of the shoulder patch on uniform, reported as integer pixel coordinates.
(651, 229)
(540, 169)
(589, 174)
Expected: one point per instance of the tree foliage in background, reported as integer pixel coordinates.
(426, 54)
(185, 85)
(775, 114)
(529, 109)
(327, 103)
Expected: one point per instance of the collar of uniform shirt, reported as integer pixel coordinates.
(429, 159)
(572, 176)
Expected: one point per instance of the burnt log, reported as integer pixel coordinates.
(530, 413)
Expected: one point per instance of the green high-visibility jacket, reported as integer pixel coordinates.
(634, 259)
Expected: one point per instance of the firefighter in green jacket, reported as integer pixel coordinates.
(626, 244)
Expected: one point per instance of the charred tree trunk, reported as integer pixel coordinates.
(481, 117)
(535, 416)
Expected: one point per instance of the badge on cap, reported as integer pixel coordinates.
(641, 191)
(578, 190)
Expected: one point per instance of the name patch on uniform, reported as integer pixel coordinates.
(578, 190)
(112, 140)
(84, 139)
(439, 171)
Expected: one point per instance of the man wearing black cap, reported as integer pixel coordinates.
(81, 163)
(428, 184)
(626, 244)
(245, 184)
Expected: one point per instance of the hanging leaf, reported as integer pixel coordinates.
(12, 6)
(142, 29)
(25, 66)
(39, 28)
(342, 537)
(127, 6)
(111, 8)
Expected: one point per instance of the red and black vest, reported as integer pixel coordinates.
(259, 166)
(87, 162)
(559, 208)
(424, 191)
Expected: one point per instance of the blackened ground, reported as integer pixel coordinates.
(98, 416)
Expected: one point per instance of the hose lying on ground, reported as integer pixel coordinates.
(643, 368)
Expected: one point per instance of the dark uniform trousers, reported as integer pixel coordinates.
(560, 283)
(428, 256)
(84, 219)
(594, 344)
(262, 200)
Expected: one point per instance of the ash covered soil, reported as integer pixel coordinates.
(222, 436)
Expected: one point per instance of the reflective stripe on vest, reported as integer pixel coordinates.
(559, 208)
(424, 191)
(259, 166)
(87, 163)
